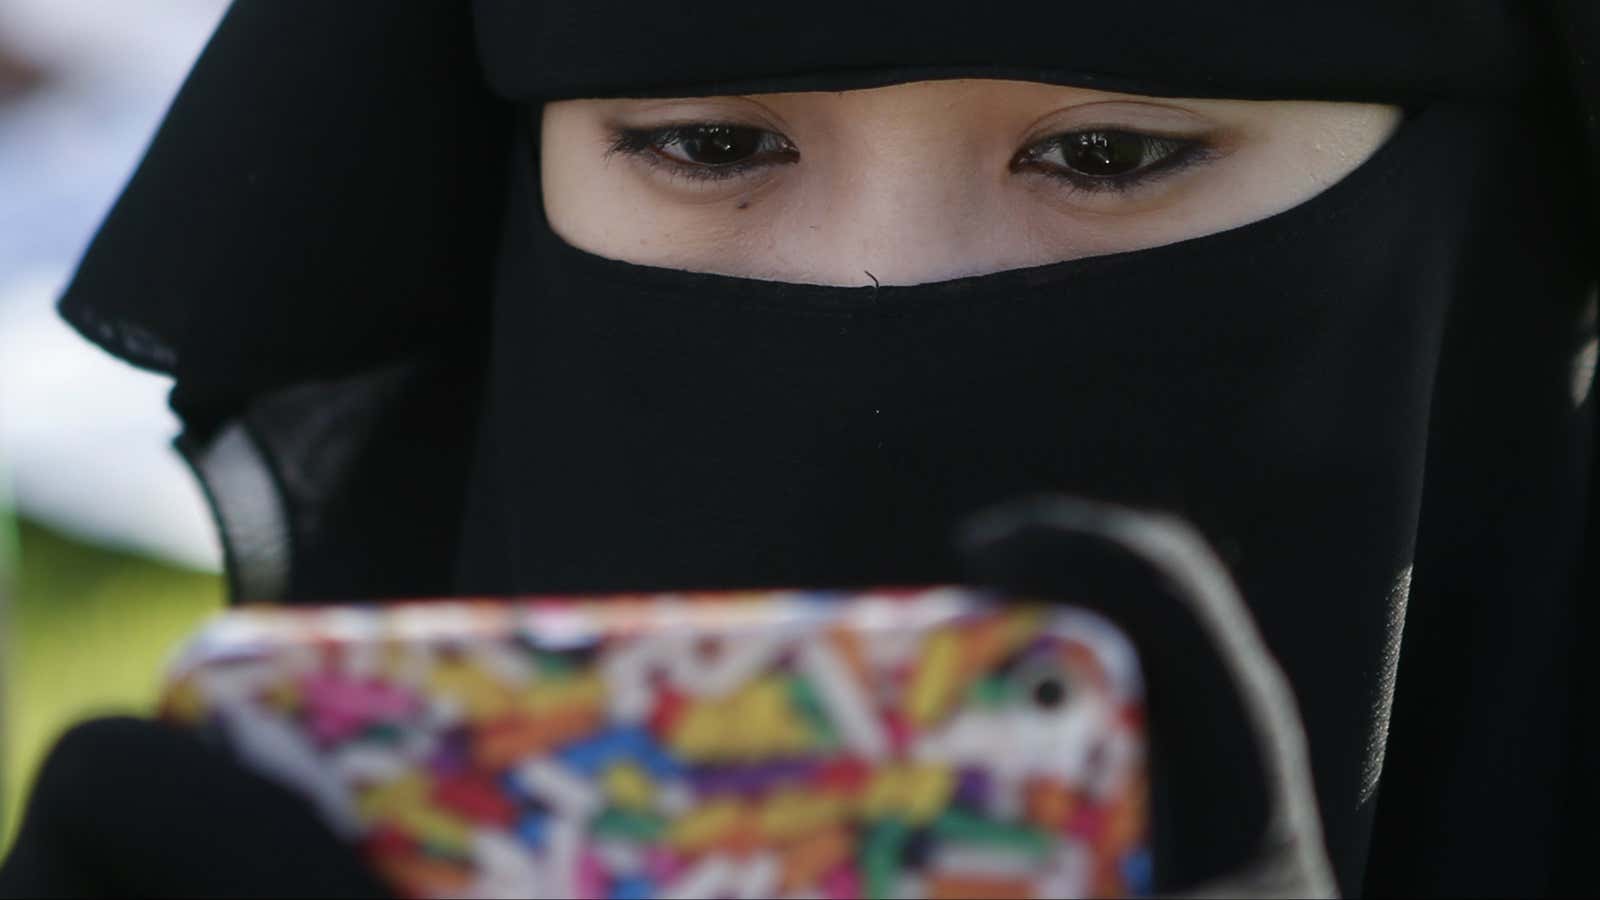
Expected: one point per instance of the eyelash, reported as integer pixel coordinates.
(1168, 155)
(645, 144)
(1171, 155)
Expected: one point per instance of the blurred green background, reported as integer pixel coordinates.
(90, 632)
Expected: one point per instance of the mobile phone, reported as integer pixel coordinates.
(933, 742)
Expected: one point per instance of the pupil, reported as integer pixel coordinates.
(1104, 153)
(719, 145)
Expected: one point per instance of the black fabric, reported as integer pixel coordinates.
(348, 456)
(1372, 391)
(322, 199)
(126, 808)
(1576, 24)
(1403, 51)
(1487, 658)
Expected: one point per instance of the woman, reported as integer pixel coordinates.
(649, 311)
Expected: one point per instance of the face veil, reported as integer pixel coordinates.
(1373, 403)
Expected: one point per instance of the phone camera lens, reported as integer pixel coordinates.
(1049, 693)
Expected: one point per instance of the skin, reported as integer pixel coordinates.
(915, 183)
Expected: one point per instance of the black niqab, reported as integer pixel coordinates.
(1373, 403)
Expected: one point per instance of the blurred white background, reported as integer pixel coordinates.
(86, 438)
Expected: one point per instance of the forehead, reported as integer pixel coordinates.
(917, 99)
(945, 108)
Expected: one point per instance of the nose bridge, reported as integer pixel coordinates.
(927, 186)
(912, 209)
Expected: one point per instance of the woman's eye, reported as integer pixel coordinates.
(709, 150)
(715, 145)
(1107, 159)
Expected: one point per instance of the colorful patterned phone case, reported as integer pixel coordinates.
(924, 743)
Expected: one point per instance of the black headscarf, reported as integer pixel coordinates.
(1373, 403)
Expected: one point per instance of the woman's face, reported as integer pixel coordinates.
(932, 180)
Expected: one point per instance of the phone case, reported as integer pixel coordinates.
(913, 743)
